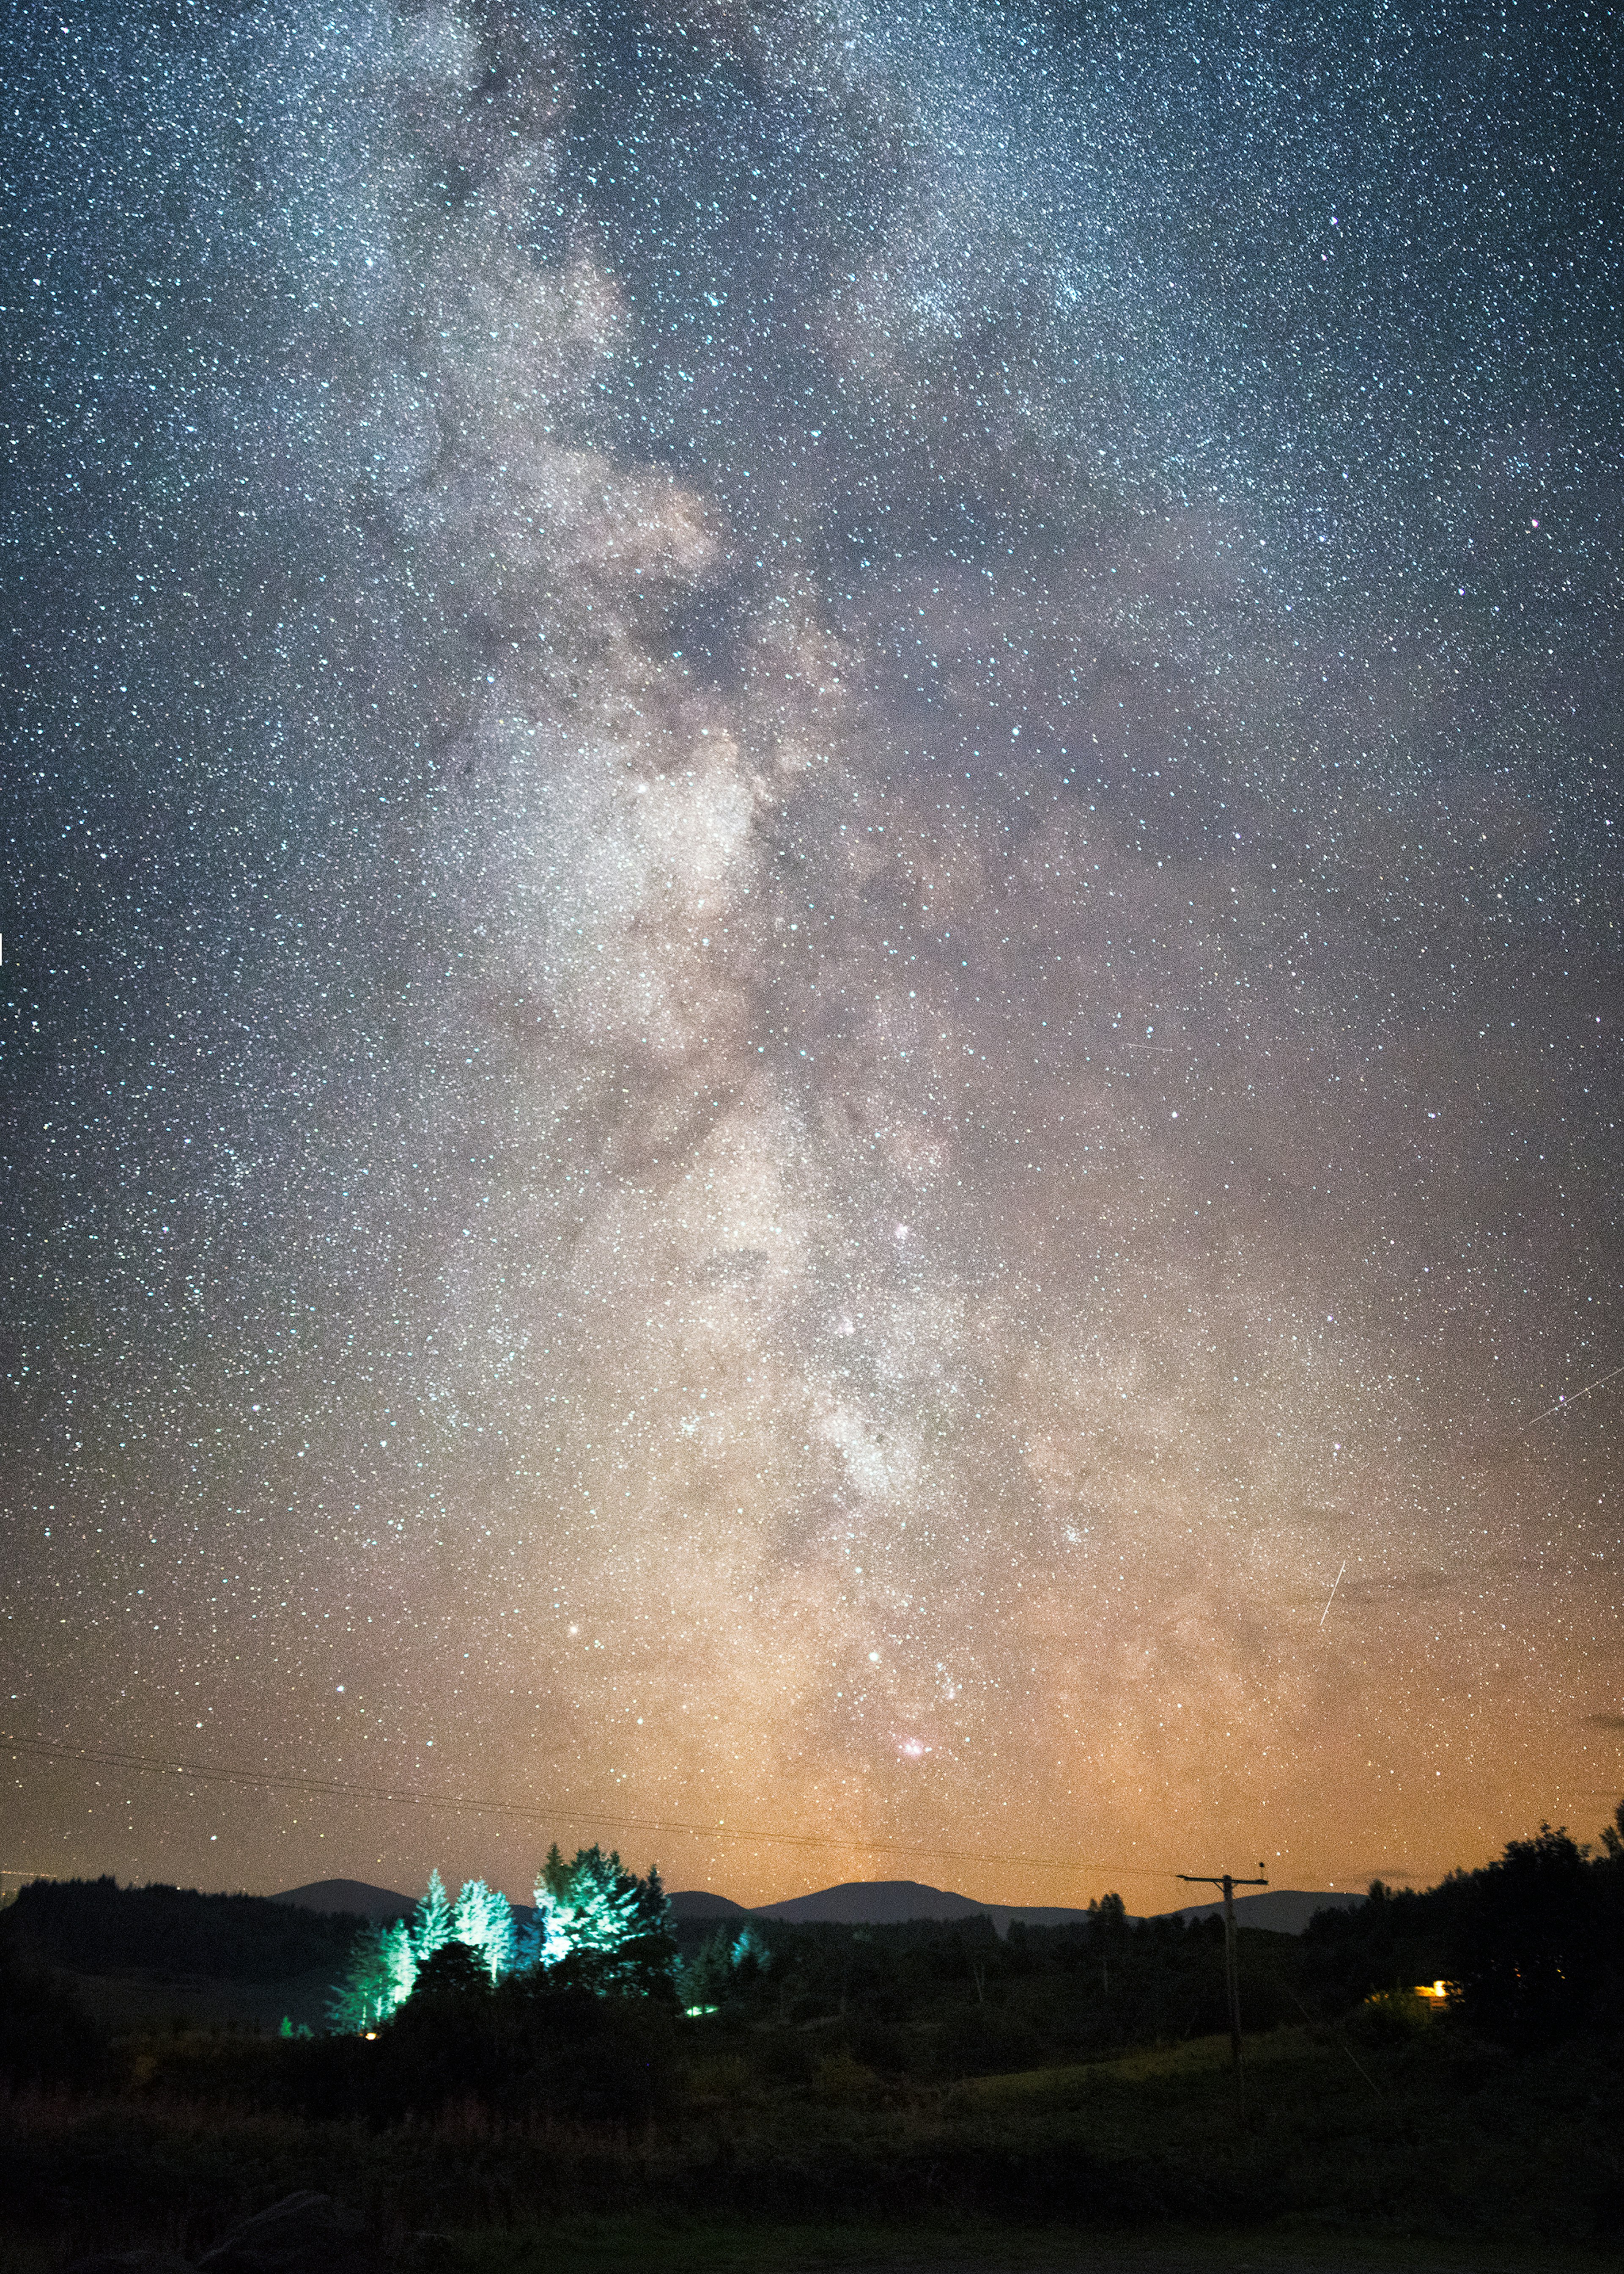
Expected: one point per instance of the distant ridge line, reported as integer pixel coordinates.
(356, 1898)
(864, 1903)
(894, 1902)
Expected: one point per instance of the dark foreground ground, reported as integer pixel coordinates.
(1434, 2152)
(612, 2246)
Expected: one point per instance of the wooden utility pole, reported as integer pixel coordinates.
(1229, 1883)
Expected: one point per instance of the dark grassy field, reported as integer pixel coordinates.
(1435, 2143)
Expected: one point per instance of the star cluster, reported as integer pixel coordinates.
(810, 947)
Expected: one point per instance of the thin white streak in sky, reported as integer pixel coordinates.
(1600, 1382)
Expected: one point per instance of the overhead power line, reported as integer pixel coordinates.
(332, 1788)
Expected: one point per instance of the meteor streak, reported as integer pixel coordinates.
(1600, 1382)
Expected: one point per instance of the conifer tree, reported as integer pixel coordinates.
(371, 1988)
(400, 1961)
(600, 1925)
(554, 1874)
(708, 1977)
(750, 1953)
(483, 1919)
(430, 1924)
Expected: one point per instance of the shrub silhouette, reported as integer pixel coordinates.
(46, 2035)
(522, 2047)
(452, 1971)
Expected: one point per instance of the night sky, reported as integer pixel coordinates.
(810, 940)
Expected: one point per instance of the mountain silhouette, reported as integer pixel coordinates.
(890, 1902)
(352, 1895)
(873, 1902)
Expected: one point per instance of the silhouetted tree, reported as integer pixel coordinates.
(1613, 1836)
(1523, 1934)
(1533, 1942)
(455, 1970)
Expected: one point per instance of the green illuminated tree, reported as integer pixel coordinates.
(598, 1927)
(401, 1961)
(430, 1922)
(483, 1919)
(602, 1927)
(378, 1981)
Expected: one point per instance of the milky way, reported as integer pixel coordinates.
(810, 939)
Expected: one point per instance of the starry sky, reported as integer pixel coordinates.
(809, 950)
